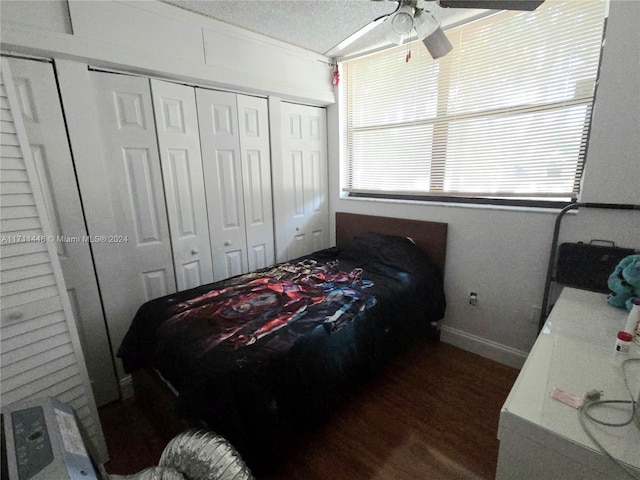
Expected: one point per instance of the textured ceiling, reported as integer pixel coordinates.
(314, 25)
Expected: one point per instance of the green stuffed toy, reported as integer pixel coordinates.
(624, 282)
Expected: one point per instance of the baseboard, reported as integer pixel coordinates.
(483, 347)
(126, 387)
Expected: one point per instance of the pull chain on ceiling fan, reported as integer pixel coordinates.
(408, 20)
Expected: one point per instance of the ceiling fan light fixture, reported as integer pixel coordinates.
(424, 23)
(437, 43)
(400, 24)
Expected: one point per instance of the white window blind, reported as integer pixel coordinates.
(504, 115)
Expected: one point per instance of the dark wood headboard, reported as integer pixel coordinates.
(429, 236)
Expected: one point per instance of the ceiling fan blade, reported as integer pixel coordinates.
(355, 36)
(528, 5)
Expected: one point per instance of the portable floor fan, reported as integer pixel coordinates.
(408, 18)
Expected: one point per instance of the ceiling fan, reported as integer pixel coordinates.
(409, 19)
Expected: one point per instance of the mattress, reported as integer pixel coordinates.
(261, 356)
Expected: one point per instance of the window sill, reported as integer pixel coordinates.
(555, 208)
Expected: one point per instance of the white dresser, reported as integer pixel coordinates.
(541, 437)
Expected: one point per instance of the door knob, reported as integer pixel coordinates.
(194, 251)
(227, 243)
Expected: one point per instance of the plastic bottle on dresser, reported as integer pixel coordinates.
(623, 342)
(633, 320)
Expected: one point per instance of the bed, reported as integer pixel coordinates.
(261, 357)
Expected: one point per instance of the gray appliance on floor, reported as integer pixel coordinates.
(42, 439)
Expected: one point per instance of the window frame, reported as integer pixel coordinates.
(438, 160)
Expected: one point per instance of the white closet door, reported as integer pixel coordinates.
(39, 343)
(179, 141)
(304, 172)
(39, 103)
(220, 142)
(256, 171)
(138, 265)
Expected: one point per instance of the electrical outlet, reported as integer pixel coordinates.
(473, 299)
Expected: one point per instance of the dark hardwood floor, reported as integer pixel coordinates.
(432, 414)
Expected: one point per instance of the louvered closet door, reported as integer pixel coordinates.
(179, 142)
(138, 266)
(220, 143)
(256, 175)
(40, 346)
(42, 115)
(304, 176)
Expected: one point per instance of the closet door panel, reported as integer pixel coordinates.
(136, 201)
(295, 226)
(179, 142)
(40, 347)
(316, 182)
(222, 164)
(304, 173)
(42, 114)
(256, 170)
(317, 186)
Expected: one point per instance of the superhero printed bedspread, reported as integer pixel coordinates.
(276, 305)
(257, 355)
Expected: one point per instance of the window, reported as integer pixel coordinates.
(505, 115)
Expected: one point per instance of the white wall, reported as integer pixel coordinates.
(52, 15)
(157, 39)
(613, 163)
(502, 253)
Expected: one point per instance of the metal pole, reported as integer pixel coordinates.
(554, 246)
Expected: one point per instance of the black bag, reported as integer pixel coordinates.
(588, 266)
